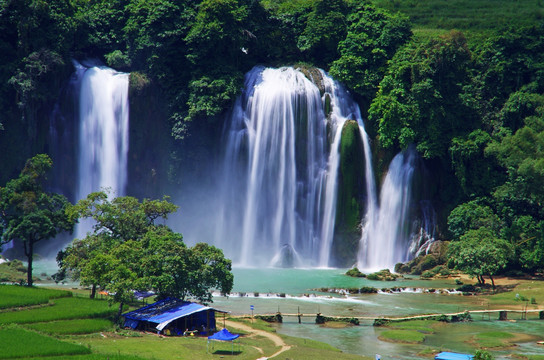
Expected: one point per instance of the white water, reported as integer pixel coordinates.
(386, 232)
(103, 133)
(280, 169)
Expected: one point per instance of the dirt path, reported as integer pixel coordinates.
(278, 341)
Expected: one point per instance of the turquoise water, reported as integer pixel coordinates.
(301, 281)
(299, 286)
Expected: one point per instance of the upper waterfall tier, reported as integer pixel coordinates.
(103, 131)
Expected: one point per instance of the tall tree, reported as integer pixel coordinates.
(480, 253)
(30, 214)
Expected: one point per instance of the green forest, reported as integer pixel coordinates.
(462, 81)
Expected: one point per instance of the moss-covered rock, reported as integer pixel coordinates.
(436, 256)
(351, 195)
(355, 273)
(383, 275)
(313, 74)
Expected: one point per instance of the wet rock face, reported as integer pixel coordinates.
(314, 75)
(351, 196)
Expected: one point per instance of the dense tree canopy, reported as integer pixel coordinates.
(471, 102)
(128, 251)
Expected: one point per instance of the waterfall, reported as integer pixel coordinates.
(103, 133)
(386, 228)
(280, 165)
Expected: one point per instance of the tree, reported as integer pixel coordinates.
(480, 253)
(471, 216)
(30, 214)
(373, 37)
(128, 251)
(325, 27)
(101, 258)
(420, 98)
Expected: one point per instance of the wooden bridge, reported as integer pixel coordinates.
(502, 315)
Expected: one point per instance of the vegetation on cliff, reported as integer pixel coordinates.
(464, 83)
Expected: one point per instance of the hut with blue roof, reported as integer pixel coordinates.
(173, 317)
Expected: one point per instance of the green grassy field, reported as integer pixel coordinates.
(20, 343)
(424, 326)
(72, 327)
(13, 296)
(493, 339)
(60, 309)
(404, 336)
(474, 15)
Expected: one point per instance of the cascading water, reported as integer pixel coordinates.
(103, 133)
(386, 229)
(278, 194)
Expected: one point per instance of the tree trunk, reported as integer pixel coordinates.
(93, 291)
(492, 282)
(118, 317)
(29, 252)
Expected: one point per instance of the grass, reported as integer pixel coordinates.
(60, 309)
(15, 295)
(256, 324)
(526, 289)
(404, 336)
(424, 326)
(20, 343)
(72, 327)
(150, 346)
(492, 339)
(88, 357)
(306, 349)
(474, 15)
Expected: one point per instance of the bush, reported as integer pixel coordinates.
(467, 288)
(368, 290)
(462, 317)
(380, 322)
(355, 273)
(483, 355)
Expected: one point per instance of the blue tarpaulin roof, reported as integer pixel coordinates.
(223, 335)
(453, 356)
(164, 312)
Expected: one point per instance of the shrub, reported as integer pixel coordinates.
(355, 273)
(368, 290)
(380, 322)
(483, 355)
(467, 288)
